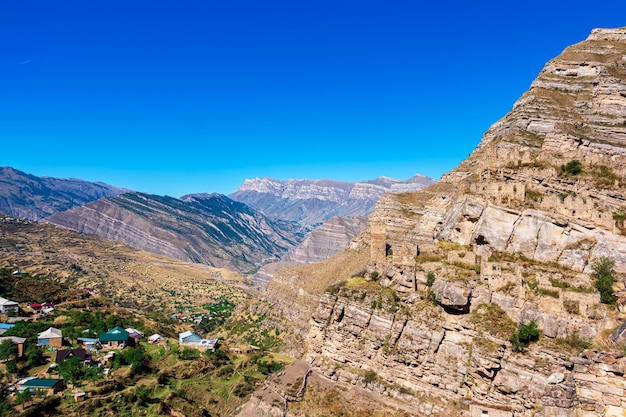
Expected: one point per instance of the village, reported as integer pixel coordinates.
(67, 350)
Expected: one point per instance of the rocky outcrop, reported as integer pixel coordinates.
(331, 237)
(311, 202)
(506, 241)
(34, 198)
(210, 229)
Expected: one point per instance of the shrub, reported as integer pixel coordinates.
(430, 278)
(571, 306)
(524, 335)
(573, 167)
(370, 376)
(374, 274)
(604, 274)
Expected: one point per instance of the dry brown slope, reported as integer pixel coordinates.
(130, 277)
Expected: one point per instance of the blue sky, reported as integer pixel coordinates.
(196, 96)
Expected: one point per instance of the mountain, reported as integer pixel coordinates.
(32, 197)
(310, 202)
(205, 228)
(486, 294)
(331, 237)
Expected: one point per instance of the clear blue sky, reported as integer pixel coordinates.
(175, 97)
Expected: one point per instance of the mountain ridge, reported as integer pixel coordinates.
(508, 239)
(33, 197)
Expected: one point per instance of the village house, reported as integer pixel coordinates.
(52, 337)
(155, 338)
(8, 306)
(135, 334)
(87, 343)
(80, 353)
(115, 338)
(5, 326)
(188, 338)
(191, 339)
(49, 386)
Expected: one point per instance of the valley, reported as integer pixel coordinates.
(499, 290)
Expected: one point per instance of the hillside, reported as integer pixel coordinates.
(34, 198)
(204, 228)
(152, 293)
(479, 293)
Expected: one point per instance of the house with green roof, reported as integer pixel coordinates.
(114, 338)
(50, 386)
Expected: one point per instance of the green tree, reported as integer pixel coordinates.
(72, 369)
(34, 356)
(93, 373)
(8, 350)
(11, 366)
(136, 358)
(573, 167)
(23, 397)
(605, 276)
(524, 335)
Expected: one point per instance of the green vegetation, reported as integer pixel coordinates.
(492, 319)
(374, 274)
(604, 176)
(430, 278)
(573, 167)
(604, 275)
(533, 195)
(524, 335)
(548, 292)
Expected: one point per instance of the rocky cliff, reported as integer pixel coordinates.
(310, 202)
(331, 237)
(34, 197)
(209, 229)
(509, 240)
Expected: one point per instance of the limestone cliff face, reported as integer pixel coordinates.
(507, 238)
(329, 238)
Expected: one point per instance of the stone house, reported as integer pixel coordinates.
(52, 337)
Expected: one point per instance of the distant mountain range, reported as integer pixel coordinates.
(204, 228)
(34, 198)
(311, 202)
(264, 221)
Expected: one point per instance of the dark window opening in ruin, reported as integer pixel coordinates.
(480, 240)
(388, 250)
(417, 250)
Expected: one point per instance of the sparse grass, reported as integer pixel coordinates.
(492, 319)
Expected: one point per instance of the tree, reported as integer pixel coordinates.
(604, 273)
(8, 350)
(136, 358)
(72, 369)
(34, 356)
(573, 167)
(23, 397)
(524, 335)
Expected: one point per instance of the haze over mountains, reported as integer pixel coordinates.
(310, 202)
(34, 197)
(269, 220)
